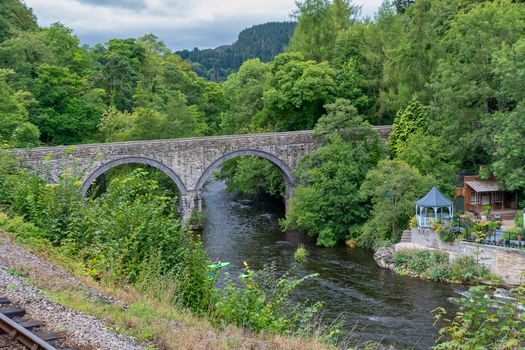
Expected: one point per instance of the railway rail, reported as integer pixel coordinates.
(15, 329)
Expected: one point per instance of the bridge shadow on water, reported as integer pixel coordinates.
(376, 304)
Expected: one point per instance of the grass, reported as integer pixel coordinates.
(14, 272)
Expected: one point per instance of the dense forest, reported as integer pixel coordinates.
(448, 74)
(263, 41)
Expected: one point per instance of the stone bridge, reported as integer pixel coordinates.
(188, 162)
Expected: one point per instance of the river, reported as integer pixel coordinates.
(376, 304)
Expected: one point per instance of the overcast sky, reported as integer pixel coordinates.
(181, 24)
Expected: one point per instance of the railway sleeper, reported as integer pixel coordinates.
(12, 312)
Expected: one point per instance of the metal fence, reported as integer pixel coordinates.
(496, 237)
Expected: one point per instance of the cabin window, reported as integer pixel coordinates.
(474, 199)
(498, 197)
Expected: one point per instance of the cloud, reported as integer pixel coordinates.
(181, 24)
(132, 4)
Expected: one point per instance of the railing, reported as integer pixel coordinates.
(495, 237)
(428, 220)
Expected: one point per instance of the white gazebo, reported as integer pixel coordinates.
(433, 208)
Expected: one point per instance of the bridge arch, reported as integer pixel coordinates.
(132, 160)
(282, 166)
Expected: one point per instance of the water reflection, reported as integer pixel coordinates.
(377, 304)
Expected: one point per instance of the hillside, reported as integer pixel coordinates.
(263, 41)
(14, 15)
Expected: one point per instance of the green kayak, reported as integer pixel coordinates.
(218, 265)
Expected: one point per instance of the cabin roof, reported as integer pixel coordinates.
(483, 186)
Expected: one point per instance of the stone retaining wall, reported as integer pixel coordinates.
(506, 263)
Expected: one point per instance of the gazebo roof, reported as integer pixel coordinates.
(434, 198)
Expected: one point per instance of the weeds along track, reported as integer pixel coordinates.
(19, 332)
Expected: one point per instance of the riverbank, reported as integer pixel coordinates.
(435, 266)
(505, 266)
(111, 316)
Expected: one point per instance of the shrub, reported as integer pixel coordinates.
(519, 218)
(438, 273)
(419, 261)
(513, 233)
(117, 235)
(412, 223)
(447, 232)
(435, 266)
(439, 258)
(400, 258)
(300, 254)
(261, 300)
(465, 269)
(484, 321)
(197, 219)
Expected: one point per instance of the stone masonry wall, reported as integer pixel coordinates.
(507, 264)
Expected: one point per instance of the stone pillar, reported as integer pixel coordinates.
(288, 195)
(189, 202)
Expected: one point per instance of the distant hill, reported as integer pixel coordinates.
(14, 15)
(263, 41)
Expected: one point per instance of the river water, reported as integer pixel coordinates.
(376, 304)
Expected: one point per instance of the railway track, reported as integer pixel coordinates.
(17, 332)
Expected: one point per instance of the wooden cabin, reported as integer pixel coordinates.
(478, 193)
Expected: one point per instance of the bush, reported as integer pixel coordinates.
(447, 232)
(484, 321)
(435, 266)
(419, 261)
(438, 273)
(131, 235)
(465, 269)
(401, 258)
(262, 300)
(300, 254)
(519, 218)
(439, 258)
(117, 236)
(197, 219)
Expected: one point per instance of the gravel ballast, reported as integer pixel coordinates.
(83, 331)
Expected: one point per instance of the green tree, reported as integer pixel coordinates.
(412, 119)
(14, 118)
(318, 25)
(327, 202)
(465, 91)
(430, 155)
(402, 5)
(253, 177)
(392, 188)
(67, 111)
(509, 127)
(368, 53)
(316, 29)
(296, 92)
(244, 90)
(122, 61)
(25, 51)
(15, 16)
